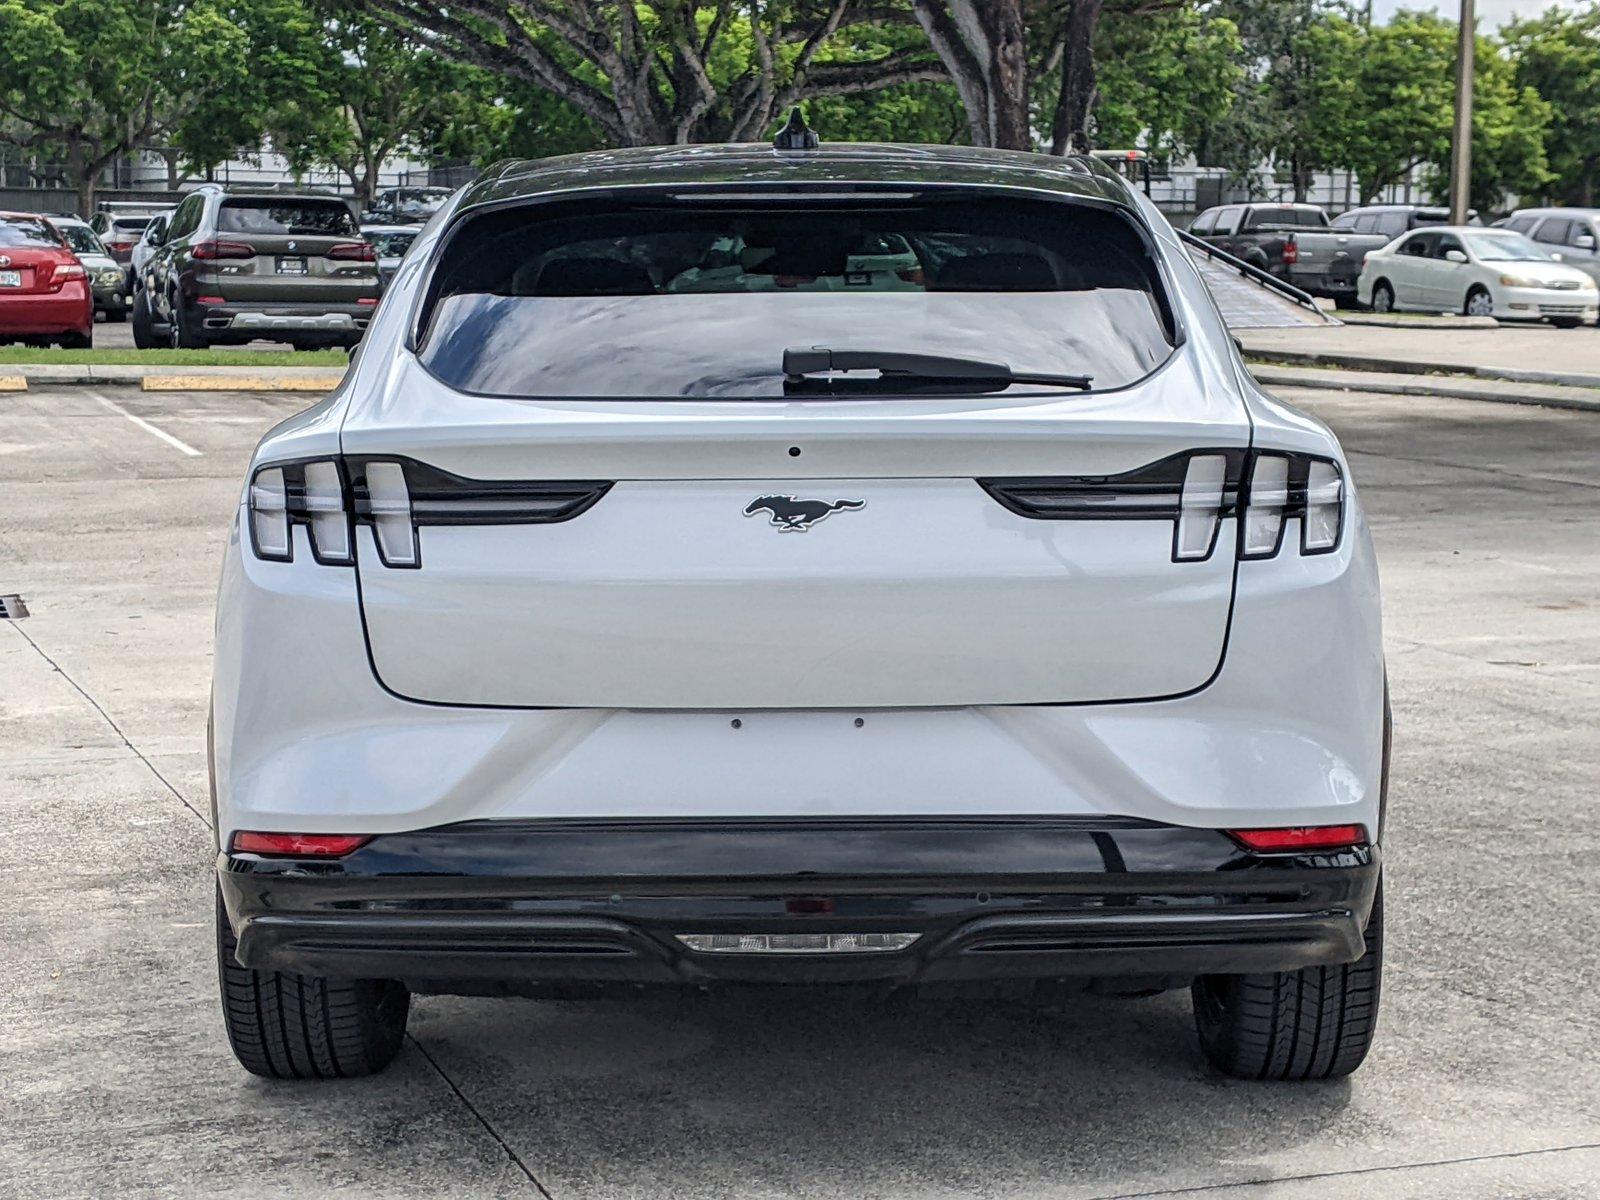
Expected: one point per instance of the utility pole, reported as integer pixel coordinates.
(1461, 148)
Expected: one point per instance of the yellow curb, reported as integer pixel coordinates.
(13, 383)
(239, 383)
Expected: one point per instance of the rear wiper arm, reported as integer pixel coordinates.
(800, 361)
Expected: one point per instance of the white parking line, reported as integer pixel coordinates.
(166, 437)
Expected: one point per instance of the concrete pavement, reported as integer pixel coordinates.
(115, 1079)
(1510, 350)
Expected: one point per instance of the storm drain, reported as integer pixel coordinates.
(12, 608)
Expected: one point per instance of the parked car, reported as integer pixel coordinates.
(139, 257)
(119, 230)
(405, 205)
(389, 243)
(1294, 242)
(1480, 272)
(106, 279)
(44, 289)
(1571, 235)
(234, 266)
(1391, 220)
(596, 634)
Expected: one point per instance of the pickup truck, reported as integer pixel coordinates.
(1293, 242)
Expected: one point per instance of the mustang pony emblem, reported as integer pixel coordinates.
(789, 514)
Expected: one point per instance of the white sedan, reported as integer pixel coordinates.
(1479, 272)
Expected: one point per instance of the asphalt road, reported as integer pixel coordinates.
(115, 1079)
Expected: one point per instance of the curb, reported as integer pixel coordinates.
(1485, 392)
(1386, 366)
(172, 379)
(238, 383)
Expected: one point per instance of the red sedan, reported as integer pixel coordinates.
(44, 290)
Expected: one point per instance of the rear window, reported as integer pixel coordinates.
(274, 217)
(28, 231)
(82, 239)
(681, 301)
(391, 245)
(131, 224)
(1292, 218)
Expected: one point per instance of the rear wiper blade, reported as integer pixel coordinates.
(801, 361)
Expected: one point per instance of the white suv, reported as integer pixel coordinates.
(975, 618)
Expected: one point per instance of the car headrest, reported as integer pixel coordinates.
(997, 273)
(592, 277)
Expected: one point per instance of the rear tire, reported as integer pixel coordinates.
(144, 337)
(286, 1026)
(182, 332)
(1566, 322)
(1315, 1023)
(79, 341)
(1382, 297)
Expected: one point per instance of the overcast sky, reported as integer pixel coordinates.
(1491, 13)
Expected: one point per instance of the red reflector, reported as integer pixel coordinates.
(1300, 837)
(299, 845)
(210, 300)
(367, 300)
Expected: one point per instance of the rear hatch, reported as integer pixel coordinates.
(648, 514)
(292, 250)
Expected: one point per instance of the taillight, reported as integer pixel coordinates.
(353, 252)
(330, 497)
(299, 845)
(66, 271)
(1195, 491)
(120, 246)
(1284, 486)
(1291, 252)
(215, 250)
(1300, 837)
(312, 494)
(914, 275)
(388, 505)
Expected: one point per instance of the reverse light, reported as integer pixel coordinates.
(299, 845)
(797, 943)
(1300, 837)
(68, 271)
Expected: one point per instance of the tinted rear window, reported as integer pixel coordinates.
(273, 217)
(1298, 218)
(27, 231)
(685, 301)
(131, 224)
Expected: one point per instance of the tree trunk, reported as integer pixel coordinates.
(1069, 132)
(983, 46)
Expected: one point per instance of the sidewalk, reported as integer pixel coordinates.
(1533, 354)
(1580, 399)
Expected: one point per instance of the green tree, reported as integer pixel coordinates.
(90, 80)
(1558, 56)
(1165, 79)
(1387, 106)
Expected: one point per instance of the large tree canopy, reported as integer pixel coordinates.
(665, 71)
(1558, 56)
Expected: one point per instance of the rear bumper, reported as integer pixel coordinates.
(545, 905)
(68, 311)
(257, 319)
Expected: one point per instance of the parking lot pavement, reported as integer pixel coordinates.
(115, 1079)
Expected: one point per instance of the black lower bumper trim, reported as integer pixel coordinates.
(560, 903)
